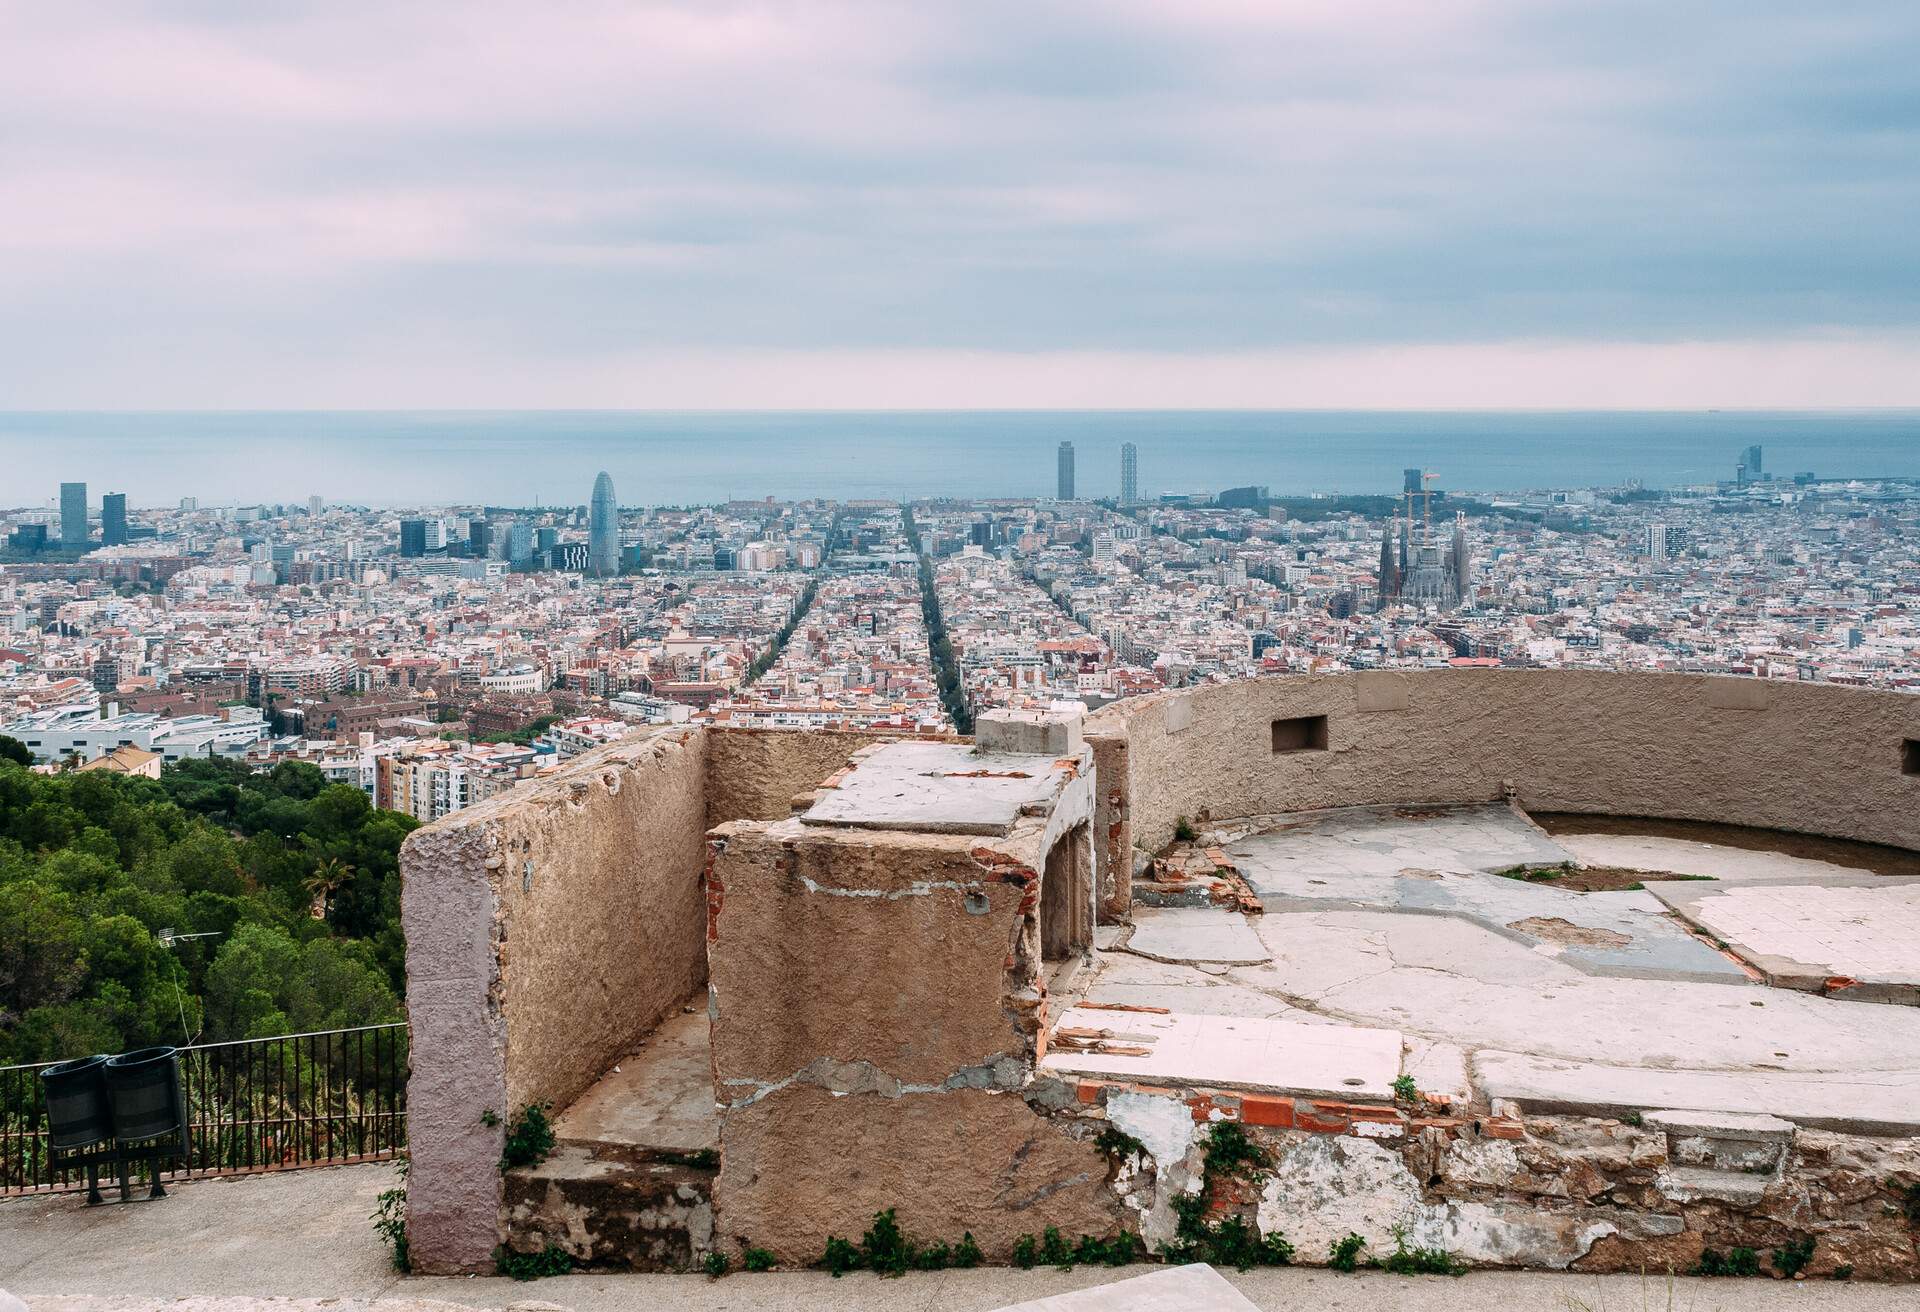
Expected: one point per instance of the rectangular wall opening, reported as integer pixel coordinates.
(1910, 756)
(1305, 733)
(1066, 896)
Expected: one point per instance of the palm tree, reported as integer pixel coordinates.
(327, 879)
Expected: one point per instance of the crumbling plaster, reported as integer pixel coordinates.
(548, 930)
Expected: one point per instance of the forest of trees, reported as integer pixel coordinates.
(295, 880)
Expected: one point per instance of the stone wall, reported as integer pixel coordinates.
(548, 930)
(1554, 1192)
(1812, 758)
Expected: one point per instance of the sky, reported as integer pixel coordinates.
(837, 204)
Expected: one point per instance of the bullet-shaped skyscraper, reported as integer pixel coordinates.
(603, 530)
(1066, 471)
(1129, 474)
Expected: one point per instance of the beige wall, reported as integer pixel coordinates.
(1814, 758)
(754, 774)
(548, 930)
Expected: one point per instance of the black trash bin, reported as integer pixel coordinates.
(143, 1089)
(77, 1111)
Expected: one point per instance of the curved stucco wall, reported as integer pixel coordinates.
(1813, 758)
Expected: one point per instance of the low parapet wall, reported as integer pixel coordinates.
(1809, 758)
(548, 930)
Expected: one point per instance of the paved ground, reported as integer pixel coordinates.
(1443, 862)
(1688, 857)
(1370, 925)
(303, 1235)
(1864, 928)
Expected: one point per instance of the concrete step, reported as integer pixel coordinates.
(1724, 1141)
(1690, 1184)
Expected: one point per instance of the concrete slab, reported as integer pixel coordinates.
(1722, 1125)
(1232, 1052)
(1194, 1288)
(1888, 1102)
(1685, 857)
(1195, 934)
(661, 1096)
(1439, 862)
(941, 788)
(1859, 936)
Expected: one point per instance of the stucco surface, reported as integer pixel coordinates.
(450, 914)
(795, 1168)
(754, 774)
(547, 930)
(888, 949)
(1815, 758)
(605, 932)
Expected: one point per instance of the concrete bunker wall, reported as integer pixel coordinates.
(548, 930)
(754, 774)
(1811, 758)
(878, 1003)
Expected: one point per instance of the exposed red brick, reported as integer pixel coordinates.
(1492, 1129)
(1359, 1111)
(1259, 1109)
(1320, 1124)
(1204, 1105)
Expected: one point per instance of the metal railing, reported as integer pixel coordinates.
(318, 1099)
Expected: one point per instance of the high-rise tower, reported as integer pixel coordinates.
(113, 519)
(1066, 471)
(1129, 474)
(603, 530)
(73, 514)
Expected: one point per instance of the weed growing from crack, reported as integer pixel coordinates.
(1119, 1144)
(1182, 831)
(1404, 1261)
(1343, 1254)
(552, 1260)
(529, 1137)
(1734, 1262)
(840, 1257)
(755, 1259)
(968, 1254)
(1791, 1260)
(886, 1250)
(1405, 1090)
(715, 1265)
(390, 1221)
(1229, 1153)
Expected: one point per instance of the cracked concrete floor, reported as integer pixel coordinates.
(1524, 1021)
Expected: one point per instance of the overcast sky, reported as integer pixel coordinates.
(1117, 203)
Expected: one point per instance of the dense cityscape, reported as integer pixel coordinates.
(435, 656)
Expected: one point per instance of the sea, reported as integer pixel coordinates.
(550, 457)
